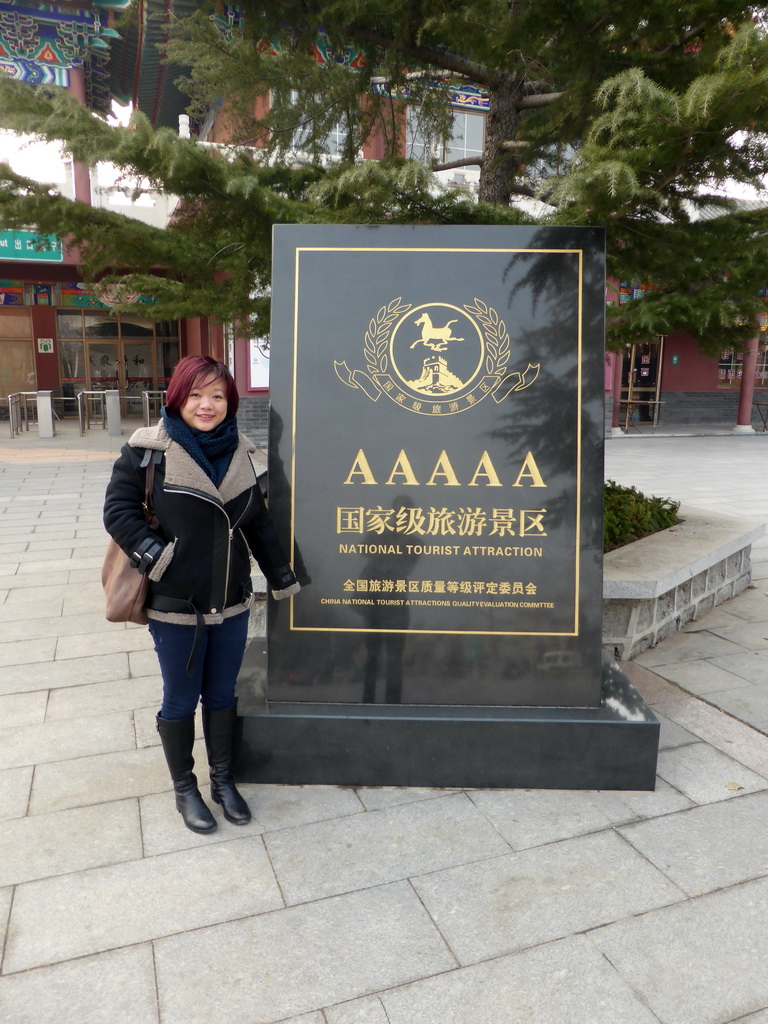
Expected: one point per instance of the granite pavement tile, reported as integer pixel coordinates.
(106, 642)
(752, 666)
(9, 581)
(665, 799)
(721, 731)
(761, 1017)
(282, 807)
(23, 708)
(52, 531)
(62, 550)
(565, 981)
(15, 786)
(700, 677)
(163, 830)
(649, 683)
(69, 672)
(701, 961)
(298, 960)
(704, 774)
(52, 565)
(527, 818)
(374, 847)
(71, 546)
(719, 616)
(375, 798)
(14, 547)
(69, 628)
(143, 662)
(671, 734)
(59, 741)
(752, 604)
(28, 590)
(505, 904)
(103, 698)
(82, 602)
(688, 647)
(710, 847)
(110, 988)
(14, 653)
(747, 703)
(92, 911)
(55, 844)
(98, 779)
(368, 1010)
(752, 635)
(6, 898)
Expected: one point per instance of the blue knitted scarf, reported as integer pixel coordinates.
(212, 450)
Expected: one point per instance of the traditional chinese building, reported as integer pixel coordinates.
(55, 333)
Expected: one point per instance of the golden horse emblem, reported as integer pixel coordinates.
(448, 380)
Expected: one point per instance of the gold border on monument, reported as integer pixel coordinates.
(579, 253)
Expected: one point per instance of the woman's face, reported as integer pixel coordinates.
(206, 405)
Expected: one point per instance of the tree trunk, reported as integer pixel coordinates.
(500, 166)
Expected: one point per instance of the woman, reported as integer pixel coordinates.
(212, 518)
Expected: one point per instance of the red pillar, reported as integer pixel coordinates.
(747, 389)
(194, 331)
(80, 171)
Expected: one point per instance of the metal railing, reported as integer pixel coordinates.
(151, 400)
(19, 410)
(84, 401)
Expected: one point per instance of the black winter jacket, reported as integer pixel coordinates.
(206, 534)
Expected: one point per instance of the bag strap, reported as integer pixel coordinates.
(149, 483)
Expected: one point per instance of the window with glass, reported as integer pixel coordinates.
(301, 140)
(730, 368)
(467, 138)
(100, 350)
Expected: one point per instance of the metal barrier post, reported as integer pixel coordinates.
(80, 412)
(112, 412)
(147, 399)
(14, 412)
(45, 414)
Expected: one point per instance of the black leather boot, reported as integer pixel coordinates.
(219, 731)
(177, 739)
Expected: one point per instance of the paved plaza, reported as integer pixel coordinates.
(368, 906)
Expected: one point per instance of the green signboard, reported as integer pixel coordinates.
(28, 245)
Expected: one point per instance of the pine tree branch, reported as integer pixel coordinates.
(538, 100)
(449, 165)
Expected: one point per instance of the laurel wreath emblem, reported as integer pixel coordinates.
(496, 336)
(377, 335)
(380, 326)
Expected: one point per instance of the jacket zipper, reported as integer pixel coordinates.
(230, 530)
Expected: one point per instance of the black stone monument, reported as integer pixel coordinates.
(436, 469)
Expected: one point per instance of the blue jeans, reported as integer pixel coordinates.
(217, 664)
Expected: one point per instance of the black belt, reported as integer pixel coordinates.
(180, 606)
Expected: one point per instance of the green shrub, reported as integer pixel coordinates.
(630, 515)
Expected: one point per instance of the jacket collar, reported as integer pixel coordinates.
(181, 470)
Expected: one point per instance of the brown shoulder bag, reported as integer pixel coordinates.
(125, 588)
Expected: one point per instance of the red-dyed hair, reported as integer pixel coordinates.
(197, 371)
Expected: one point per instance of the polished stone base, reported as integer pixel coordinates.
(611, 747)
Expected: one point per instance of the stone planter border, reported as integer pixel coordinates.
(653, 587)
